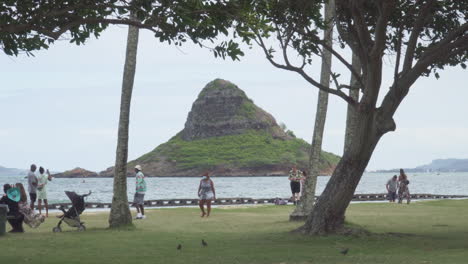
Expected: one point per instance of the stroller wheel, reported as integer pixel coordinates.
(82, 228)
(56, 229)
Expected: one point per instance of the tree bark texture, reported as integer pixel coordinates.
(328, 214)
(120, 212)
(353, 93)
(306, 204)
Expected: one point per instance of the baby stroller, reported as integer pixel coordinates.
(72, 216)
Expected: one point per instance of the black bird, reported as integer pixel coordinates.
(179, 247)
(344, 251)
(203, 242)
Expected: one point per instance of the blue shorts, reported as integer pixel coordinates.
(392, 196)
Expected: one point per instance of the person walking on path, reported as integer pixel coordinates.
(140, 190)
(295, 177)
(30, 218)
(403, 190)
(207, 193)
(392, 187)
(32, 185)
(42, 190)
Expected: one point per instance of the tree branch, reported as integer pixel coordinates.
(300, 71)
(16, 29)
(364, 36)
(385, 9)
(417, 28)
(397, 94)
(337, 55)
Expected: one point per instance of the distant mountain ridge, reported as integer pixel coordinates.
(446, 165)
(439, 165)
(11, 171)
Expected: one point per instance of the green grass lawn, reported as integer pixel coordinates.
(426, 232)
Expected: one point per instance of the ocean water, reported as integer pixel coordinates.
(253, 187)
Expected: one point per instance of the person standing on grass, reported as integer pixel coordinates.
(32, 185)
(295, 178)
(42, 190)
(206, 193)
(403, 190)
(140, 190)
(392, 187)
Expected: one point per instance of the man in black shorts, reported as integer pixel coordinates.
(32, 185)
(295, 176)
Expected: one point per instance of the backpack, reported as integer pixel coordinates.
(279, 201)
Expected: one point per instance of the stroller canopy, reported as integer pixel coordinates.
(76, 200)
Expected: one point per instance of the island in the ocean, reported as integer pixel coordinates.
(227, 134)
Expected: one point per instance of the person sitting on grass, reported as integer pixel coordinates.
(15, 218)
(207, 193)
(139, 199)
(30, 217)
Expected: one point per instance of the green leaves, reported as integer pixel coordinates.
(28, 25)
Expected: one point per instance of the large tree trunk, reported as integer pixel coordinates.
(120, 212)
(354, 93)
(305, 206)
(328, 214)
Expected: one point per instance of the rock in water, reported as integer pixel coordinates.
(223, 109)
(76, 173)
(228, 134)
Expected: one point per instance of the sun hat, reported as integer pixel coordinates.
(138, 167)
(14, 194)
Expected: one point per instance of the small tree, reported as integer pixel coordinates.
(423, 36)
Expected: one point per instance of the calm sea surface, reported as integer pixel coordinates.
(253, 187)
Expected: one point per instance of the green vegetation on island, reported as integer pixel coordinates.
(250, 149)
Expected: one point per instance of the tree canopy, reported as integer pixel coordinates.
(29, 25)
(423, 36)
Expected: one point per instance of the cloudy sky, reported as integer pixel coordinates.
(60, 108)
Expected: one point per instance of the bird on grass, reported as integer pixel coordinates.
(179, 247)
(344, 251)
(203, 242)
